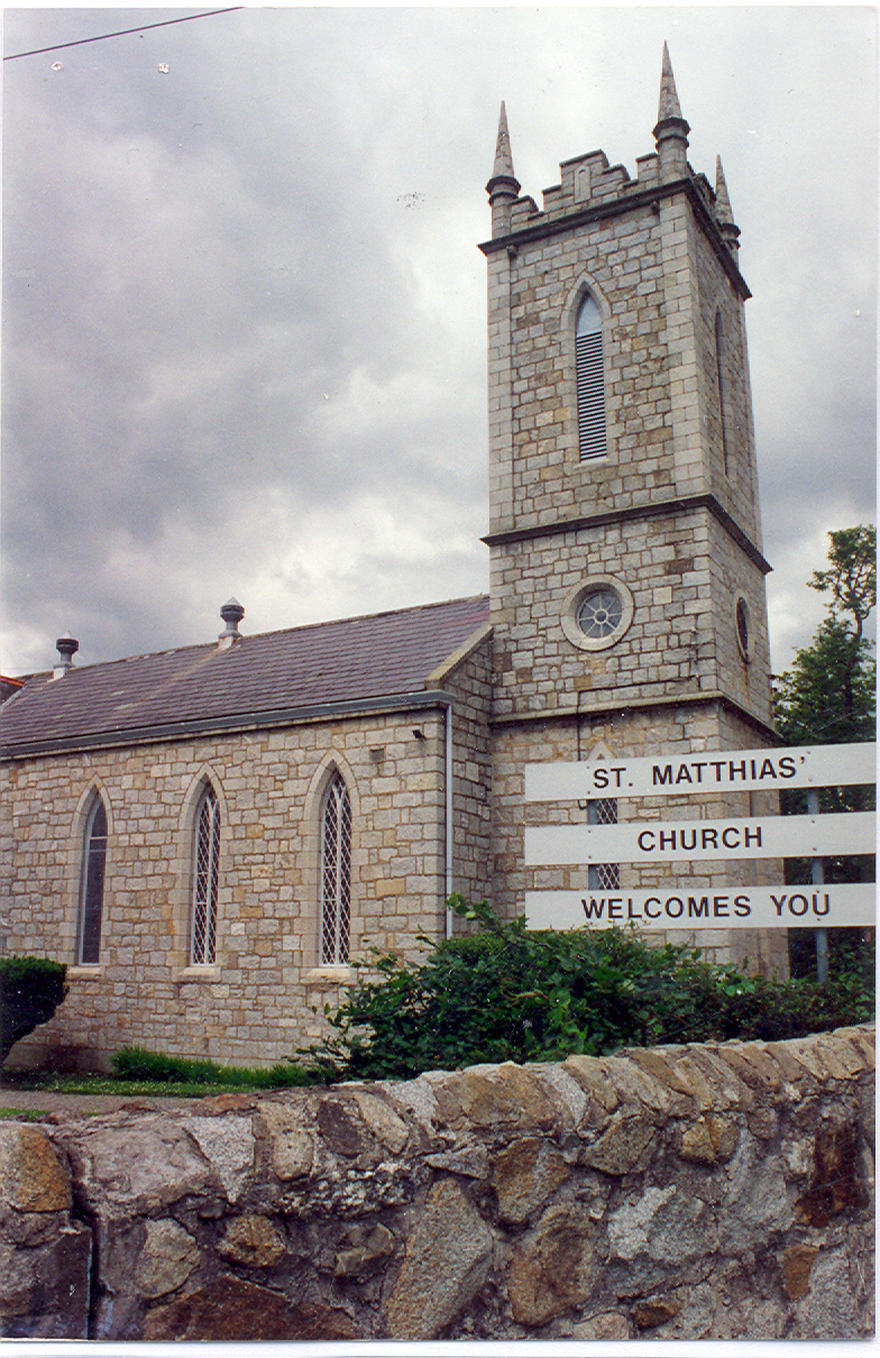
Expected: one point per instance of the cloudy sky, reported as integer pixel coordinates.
(244, 312)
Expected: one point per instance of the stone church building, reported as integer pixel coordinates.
(208, 836)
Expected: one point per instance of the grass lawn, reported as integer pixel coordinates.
(108, 1084)
(139, 1073)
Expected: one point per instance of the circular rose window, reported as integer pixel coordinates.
(597, 613)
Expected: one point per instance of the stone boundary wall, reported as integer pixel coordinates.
(716, 1191)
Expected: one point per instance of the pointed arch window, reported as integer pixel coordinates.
(335, 873)
(206, 873)
(91, 887)
(590, 372)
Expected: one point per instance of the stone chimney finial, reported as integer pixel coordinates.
(671, 131)
(67, 649)
(503, 188)
(232, 613)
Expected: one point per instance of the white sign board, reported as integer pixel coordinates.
(662, 841)
(684, 907)
(712, 771)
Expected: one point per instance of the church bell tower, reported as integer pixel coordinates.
(627, 577)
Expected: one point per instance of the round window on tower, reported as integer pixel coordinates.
(597, 613)
(743, 628)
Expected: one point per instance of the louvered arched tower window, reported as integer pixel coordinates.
(91, 883)
(590, 381)
(335, 873)
(206, 873)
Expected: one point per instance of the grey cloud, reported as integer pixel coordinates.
(246, 293)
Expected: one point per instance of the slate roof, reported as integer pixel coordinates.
(275, 674)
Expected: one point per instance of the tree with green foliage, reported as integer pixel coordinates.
(827, 697)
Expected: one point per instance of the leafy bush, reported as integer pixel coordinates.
(31, 989)
(511, 994)
(137, 1064)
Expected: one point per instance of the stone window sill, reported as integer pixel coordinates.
(81, 972)
(329, 975)
(203, 974)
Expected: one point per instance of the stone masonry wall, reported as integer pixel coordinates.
(681, 1192)
(685, 575)
(263, 996)
(659, 283)
(737, 488)
(535, 471)
(470, 685)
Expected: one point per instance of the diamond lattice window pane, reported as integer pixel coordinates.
(335, 874)
(603, 876)
(603, 811)
(205, 880)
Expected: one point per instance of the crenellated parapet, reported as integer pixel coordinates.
(590, 186)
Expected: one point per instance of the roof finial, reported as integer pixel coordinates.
(67, 649)
(671, 131)
(503, 187)
(723, 210)
(232, 613)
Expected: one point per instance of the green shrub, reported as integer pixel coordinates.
(137, 1064)
(512, 994)
(31, 989)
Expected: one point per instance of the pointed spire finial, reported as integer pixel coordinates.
(503, 167)
(669, 106)
(671, 131)
(723, 210)
(503, 187)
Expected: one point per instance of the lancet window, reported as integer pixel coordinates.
(91, 889)
(335, 873)
(206, 873)
(589, 363)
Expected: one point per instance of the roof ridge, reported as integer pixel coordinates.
(125, 659)
(370, 617)
(275, 632)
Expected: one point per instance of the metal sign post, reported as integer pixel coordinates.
(817, 876)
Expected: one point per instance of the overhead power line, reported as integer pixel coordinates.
(142, 28)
